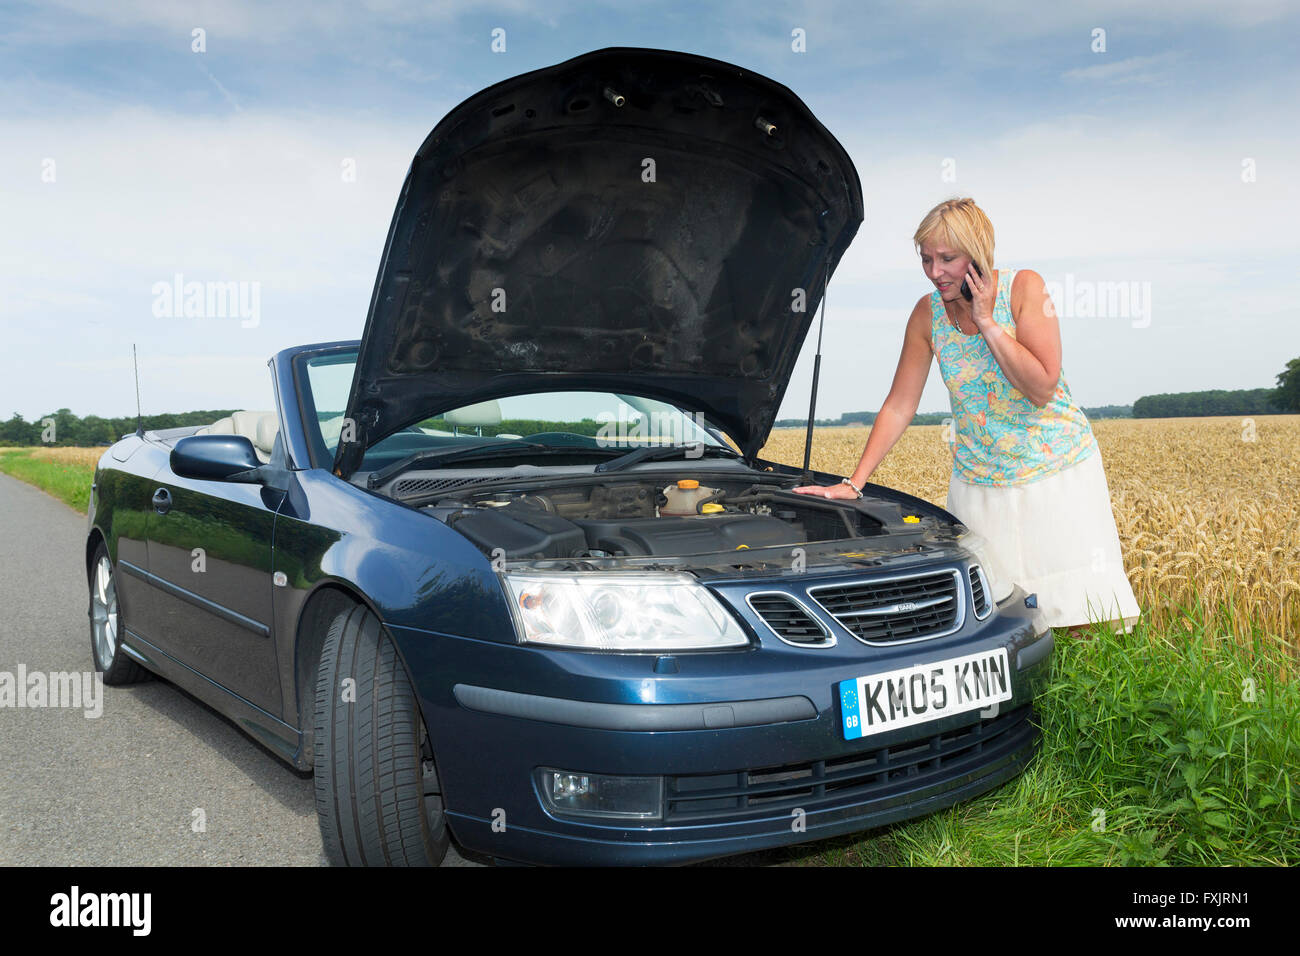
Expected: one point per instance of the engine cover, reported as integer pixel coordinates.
(690, 535)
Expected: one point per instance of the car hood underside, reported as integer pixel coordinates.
(549, 238)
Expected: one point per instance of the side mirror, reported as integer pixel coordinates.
(216, 458)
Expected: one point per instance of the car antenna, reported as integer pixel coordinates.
(139, 421)
(817, 366)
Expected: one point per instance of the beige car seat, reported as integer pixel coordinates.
(258, 427)
(475, 416)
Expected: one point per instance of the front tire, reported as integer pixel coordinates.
(378, 798)
(106, 624)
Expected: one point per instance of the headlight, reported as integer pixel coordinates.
(613, 612)
(1000, 582)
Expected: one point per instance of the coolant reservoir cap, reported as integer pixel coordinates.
(687, 483)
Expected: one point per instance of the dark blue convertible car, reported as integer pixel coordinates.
(508, 569)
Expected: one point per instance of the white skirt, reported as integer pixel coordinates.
(1055, 537)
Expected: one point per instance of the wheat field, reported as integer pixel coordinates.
(1207, 509)
(68, 456)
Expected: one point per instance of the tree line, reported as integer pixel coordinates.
(1283, 400)
(936, 418)
(64, 428)
(1253, 401)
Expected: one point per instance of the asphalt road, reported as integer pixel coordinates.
(122, 788)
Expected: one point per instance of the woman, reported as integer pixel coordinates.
(1027, 473)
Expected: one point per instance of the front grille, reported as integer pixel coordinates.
(891, 610)
(853, 778)
(789, 619)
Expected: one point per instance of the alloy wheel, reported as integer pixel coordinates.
(103, 612)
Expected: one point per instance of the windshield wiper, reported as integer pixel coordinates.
(655, 452)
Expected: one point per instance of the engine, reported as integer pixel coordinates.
(604, 520)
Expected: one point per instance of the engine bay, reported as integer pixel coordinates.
(604, 518)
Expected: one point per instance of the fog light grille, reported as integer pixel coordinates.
(979, 592)
(789, 619)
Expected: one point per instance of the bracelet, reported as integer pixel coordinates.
(845, 481)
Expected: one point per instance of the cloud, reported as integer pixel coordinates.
(187, 364)
(253, 22)
(1099, 199)
(1134, 69)
(168, 383)
(140, 196)
(1017, 19)
(259, 197)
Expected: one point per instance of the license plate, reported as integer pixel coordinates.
(914, 695)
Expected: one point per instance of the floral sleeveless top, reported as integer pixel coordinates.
(1001, 437)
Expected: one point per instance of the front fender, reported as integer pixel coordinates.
(415, 571)
(411, 569)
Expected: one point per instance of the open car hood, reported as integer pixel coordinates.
(549, 238)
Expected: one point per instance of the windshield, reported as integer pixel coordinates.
(578, 420)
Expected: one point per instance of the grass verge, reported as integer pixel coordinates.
(1177, 747)
(65, 480)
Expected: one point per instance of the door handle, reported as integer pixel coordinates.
(162, 501)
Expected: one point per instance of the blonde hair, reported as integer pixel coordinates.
(961, 224)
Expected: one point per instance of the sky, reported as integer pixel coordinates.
(1145, 162)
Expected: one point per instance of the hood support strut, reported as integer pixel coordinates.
(817, 367)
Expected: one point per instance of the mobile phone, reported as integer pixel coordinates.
(965, 286)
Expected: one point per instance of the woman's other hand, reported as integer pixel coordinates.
(827, 491)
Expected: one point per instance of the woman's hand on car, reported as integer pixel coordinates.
(827, 491)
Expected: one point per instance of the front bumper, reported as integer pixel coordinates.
(752, 758)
